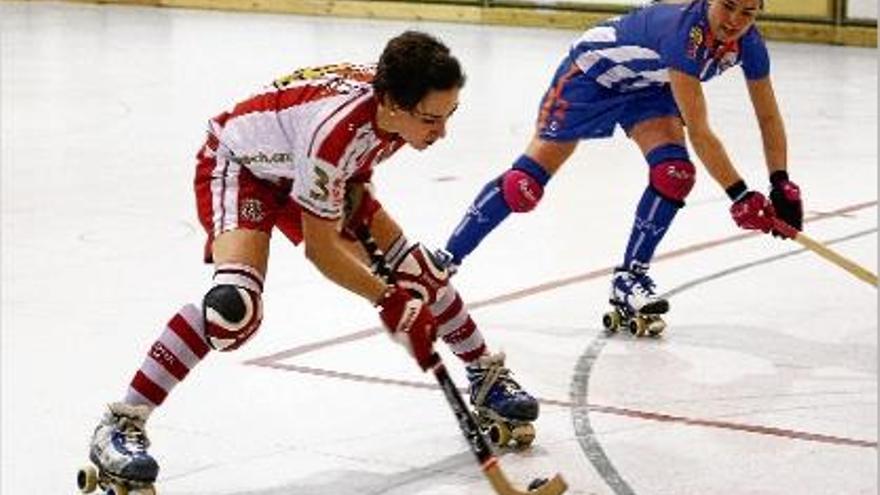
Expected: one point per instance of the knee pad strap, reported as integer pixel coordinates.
(240, 275)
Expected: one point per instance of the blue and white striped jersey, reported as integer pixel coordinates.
(635, 50)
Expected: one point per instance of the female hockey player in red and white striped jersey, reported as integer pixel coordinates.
(290, 157)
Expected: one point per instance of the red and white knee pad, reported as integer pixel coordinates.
(233, 308)
(418, 271)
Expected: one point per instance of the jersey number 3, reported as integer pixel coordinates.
(320, 190)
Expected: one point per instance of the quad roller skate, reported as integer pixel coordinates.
(636, 307)
(90, 478)
(504, 410)
(121, 464)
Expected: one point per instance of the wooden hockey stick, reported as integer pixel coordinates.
(466, 421)
(824, 251)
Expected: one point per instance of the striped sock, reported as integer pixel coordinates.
(180, 347)
(456, 327)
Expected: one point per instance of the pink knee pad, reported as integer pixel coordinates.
(520, 190)
(674, 179)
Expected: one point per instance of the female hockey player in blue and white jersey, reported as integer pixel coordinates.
(643, 71)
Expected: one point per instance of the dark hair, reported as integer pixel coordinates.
(760, 6)
(413, 64)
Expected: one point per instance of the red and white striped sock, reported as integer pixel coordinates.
(456, 327)
(180, 347)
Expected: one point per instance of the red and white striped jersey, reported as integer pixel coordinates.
(316, 127)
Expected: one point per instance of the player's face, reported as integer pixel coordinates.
(730, 19)
(425, 123)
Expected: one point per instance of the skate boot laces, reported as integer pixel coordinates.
(127, 428)
(633, 289)
(643, 285)
(495, 394)
(131, 436)
(489, 372)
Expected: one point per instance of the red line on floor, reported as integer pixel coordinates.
(596, 408)
(537, 289)
(273, 360)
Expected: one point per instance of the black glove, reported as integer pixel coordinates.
(786, 198)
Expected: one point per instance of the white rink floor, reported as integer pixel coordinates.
(766, 382)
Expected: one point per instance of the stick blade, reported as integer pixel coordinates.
(556, 485)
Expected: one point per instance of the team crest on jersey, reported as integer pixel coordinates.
(695, 41)
(337, 189)
(252, 210)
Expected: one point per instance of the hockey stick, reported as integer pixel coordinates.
(466, 421)
(817, 247)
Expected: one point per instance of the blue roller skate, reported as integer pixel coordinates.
(122, 465)
(636, 306)
(505, 411)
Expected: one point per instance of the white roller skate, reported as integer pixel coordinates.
(122, 465)
(636, 306)
(505, 411)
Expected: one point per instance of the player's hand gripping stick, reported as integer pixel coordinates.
(786, 198)
(410, 323)
(753, 212)
(466, 420)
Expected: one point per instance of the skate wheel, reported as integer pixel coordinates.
(87, 479)
(499, 434)
(656, 327)
(637, 327)
(523, 435)
(611, 321)
(117, 489)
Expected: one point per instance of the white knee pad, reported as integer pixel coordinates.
(233, 308)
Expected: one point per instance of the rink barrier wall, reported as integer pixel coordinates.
(805, 21)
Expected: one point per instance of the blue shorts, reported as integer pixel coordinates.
(577, 107)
